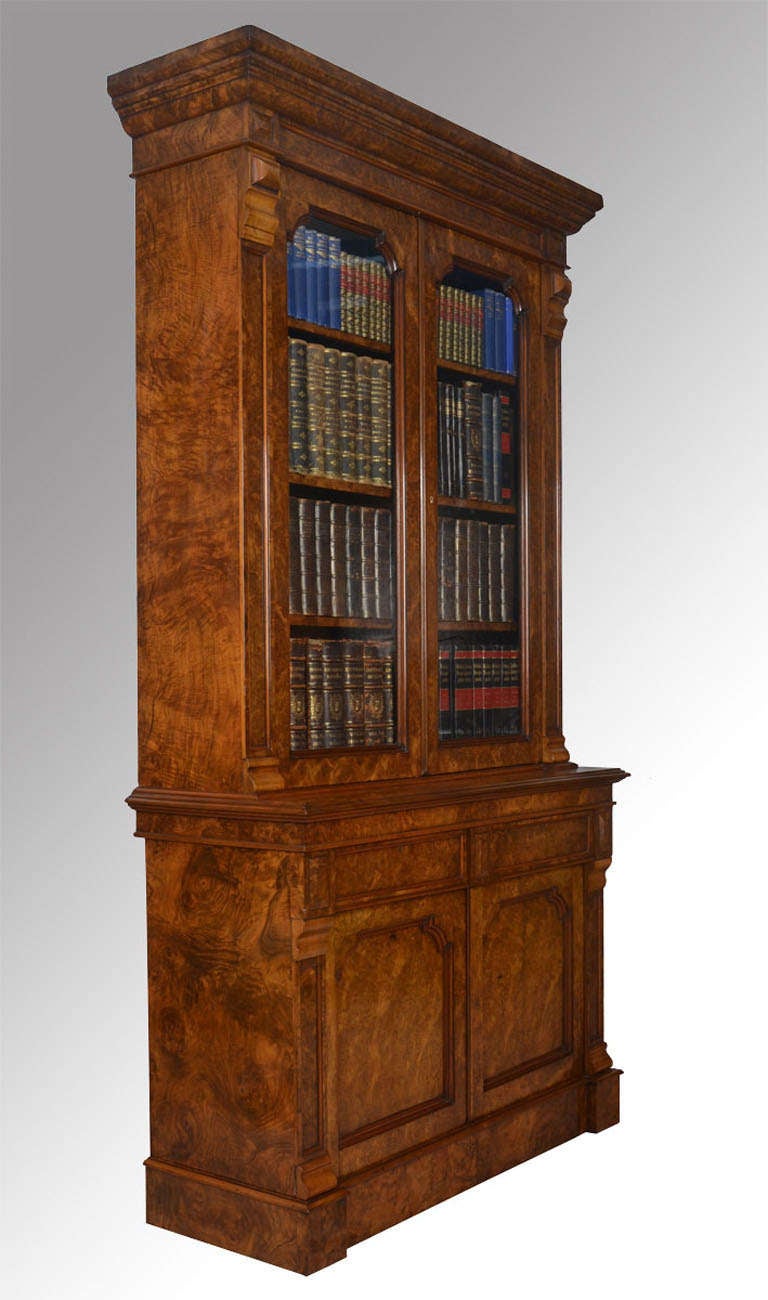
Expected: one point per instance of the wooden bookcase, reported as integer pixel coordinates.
(375, 877)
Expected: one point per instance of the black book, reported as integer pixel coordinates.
(333, 693)
(323, 557)
(354, 563)
(307, 562)
(338, 560)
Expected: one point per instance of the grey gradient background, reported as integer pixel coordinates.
(661, 107)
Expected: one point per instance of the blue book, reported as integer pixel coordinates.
(323, 288)
(334, 281)
(311, 275)
(299, 274)
(291, 274)
(509, 338)
(500, 322)
(489, 330)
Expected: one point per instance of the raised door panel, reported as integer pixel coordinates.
(525, 964)
(399, 983)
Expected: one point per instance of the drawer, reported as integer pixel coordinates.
(391, 868)
(514, 846)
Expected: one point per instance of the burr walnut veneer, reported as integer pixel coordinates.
(375, 969)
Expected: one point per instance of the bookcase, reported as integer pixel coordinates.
(374, 875)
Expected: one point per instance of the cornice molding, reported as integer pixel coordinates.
(308, 94)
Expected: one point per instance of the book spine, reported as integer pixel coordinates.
(354, 563)
(297, 405)
(357, 295)
(505, 446)
(363, 404)
(483, 588)
(334, 281)
(383, 563)
(295, 561)
(315, 721)
(347, 417)
(510, 360)
(323, 557)
(388, 691)
(291, 277)
(489, 330)
(380, 379)
(463, 692)
(307, 563)
(386, 330)
(509, 705)
(299, 734)
(315, 408)
(477, 330)
(473, 416)
(354, 693)
(499, 324)
(388, 424)
(310, 267)
(368, 559)
(333, 694)
(300, 274)
(373, 677)
(494, 573)
(507, 572)
(338, 560)
(478, 693)
(444, 689)
(473, 575)
(442, 321)
(345, 284)
(459, 442)
(332, 413)
(323, 279)
(462, 568)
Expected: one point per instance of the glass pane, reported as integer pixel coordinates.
(478, 511)
(343, 564)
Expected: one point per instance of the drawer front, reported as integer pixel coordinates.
(514, 846)
(355, 876)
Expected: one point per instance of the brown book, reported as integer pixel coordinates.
(315, 408)
(323, 557)
(333, 693)
(483, 588)
(354, 693)
(297, 405)
(494, 573)
(373, 677)
(388, 690)
(442, 322)
(380, 382)
(307, 561)
(473, 570)
(382, 527)
(332, 414)
(507, 571)
(368, 561)
(446, 575)
(354, 563)
(315, 720)
(338, 560)
(473, 420)
(363, 404)
(347, 417)
(298, 726)
(461, 546)
(294, 597)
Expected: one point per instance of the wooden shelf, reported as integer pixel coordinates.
(326, 620)
(483, 507)
(476, 625)
(381, 490)
(326, 334)
(476, 372)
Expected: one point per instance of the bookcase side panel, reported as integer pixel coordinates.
(187, 357)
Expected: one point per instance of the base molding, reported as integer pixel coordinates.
(309, 1235)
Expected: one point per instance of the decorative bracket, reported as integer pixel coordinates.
(557, 291)
(259, 217)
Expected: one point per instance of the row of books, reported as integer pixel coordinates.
(340, 413)
(342, 693)
(476, 329)
(479, 690)
(476, 571)
(337, 289)
(341, 560)
(474, 443)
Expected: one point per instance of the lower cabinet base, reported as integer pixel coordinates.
(308, 1235)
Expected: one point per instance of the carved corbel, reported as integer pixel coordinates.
(259, 217)
(557, 291)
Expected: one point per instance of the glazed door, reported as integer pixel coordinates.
(525, 986)
(480, 380)
(399, 990)
(331, 493)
